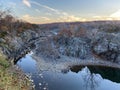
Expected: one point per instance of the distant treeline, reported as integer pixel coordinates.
(11, 25)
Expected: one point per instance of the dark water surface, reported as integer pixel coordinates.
(77, 78)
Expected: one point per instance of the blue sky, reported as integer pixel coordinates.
(48, 11)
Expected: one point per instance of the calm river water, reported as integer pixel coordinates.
(77, 78)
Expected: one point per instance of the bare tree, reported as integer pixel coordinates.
(90, 82)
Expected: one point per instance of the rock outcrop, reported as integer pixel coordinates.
(107, 46)
(78, 47)
(17, 46)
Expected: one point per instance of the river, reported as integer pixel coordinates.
(76, 78)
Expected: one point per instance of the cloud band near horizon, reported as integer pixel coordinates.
(62, 16)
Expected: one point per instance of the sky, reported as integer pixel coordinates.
(49, 11)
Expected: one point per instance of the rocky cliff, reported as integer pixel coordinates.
(84, 41)
(79, 40)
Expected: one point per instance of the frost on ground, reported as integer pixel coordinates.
(64, 63)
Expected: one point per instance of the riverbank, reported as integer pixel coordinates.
(65, 63)
(97, 63)
(12, 78)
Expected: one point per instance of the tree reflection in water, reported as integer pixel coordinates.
(90, 79)
(46, 76)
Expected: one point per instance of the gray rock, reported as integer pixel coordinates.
(107, 46)
(74, 47)
(118, 59)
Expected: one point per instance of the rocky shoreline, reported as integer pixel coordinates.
(65, 63)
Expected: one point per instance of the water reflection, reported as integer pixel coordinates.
(77, 78)
(109, 73)
(90, 81)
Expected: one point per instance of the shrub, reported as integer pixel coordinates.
(3, 34)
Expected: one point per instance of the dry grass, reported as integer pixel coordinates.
(11, 78)
(11, 81)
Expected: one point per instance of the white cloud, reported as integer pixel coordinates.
(70, 18)
(64, 13)
(45, 18)
(97, 17)
(12, 4)
(113, 16)
(62, 16)
(36, 20)
(46, 7)
(27, 3)
(28, 17)
(116, 14)
(37, 10)
(101, 18)
(49, 14)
